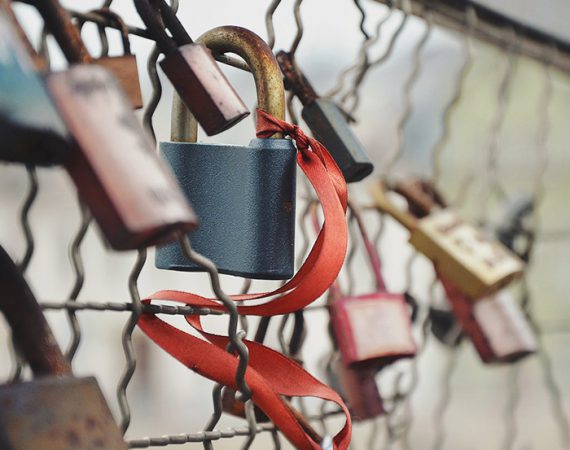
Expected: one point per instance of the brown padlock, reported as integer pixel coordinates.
(192, 70)
(131, 193)
(124, 66)
(371, 330)
(495, 325)
(475, 263)
(55, 411)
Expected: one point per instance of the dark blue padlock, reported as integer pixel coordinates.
(243, 195)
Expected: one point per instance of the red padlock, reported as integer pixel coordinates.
(372, 329)
(495, 325)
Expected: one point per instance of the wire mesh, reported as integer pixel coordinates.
(403, 425)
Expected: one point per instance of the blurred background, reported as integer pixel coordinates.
(505, 137)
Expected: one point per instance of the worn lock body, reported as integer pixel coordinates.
(359, 389)
(495, 325)
(31, 129)
(204, 88)
(464, 255)
(372, 330)
(330, 127)
(55, 411)
(245, 198)
(130, 192)
(192, 70)
(244, 195)
(125, 69)
(327, 123)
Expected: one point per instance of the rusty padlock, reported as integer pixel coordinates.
(31, 128)
(192, 70)
(124, 66)
(327, 122)
(55, 411)
(474, 262)
(495, 325)
(358, 387)
(130, 192)
(374, 329)
(244, 195)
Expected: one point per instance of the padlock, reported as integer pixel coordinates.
(244, 195)
(192, 70)
(495, 325)
(31, 129)
(55, 411)
(475, 263)
(130, 192)
(372, 330)
(358, 387)
(327, 122)
(124, 67)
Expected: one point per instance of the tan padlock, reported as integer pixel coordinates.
(475, 263)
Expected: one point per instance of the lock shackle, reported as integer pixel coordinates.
(30, 329)
(373, 256)
(121, 25)
(264, 68)
(295, 80)
(153, 16)
(421, 195)
(384, 204)
(61, 26)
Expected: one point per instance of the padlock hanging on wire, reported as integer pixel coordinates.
(130, 192)
(55, 410)
(371, 330)
(192, 70)
(244, 195)
(327, 122)
(32, 130)
(474, 262)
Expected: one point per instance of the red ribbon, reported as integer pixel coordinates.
(271, 375)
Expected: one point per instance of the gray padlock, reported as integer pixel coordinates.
(243, 195)
(55, 411)
(328, 123)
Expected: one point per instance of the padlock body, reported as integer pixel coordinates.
(131, 193)
(31, 129)
(204, 88)
(126, 71)
(57, 413)
(495, 325)
(475, 263)
(245, 198)
(330, 127)
(372, 330)
(359, 390)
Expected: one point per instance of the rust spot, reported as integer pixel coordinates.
(288, 206)
(73, 438)
(91, 423)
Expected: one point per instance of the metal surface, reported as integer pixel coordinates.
(490, 27)
(257, 202)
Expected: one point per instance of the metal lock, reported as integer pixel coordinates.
(124, 67)
(192, 70)
(373, 329)
(359, 390)
(477, 264)
(31, 129)
(327, 122)
(495, 325)
(55, 411)
(244, 195)
(130, 192)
